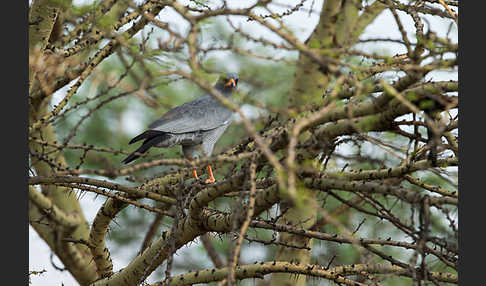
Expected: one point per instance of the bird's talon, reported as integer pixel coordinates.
(211, 176)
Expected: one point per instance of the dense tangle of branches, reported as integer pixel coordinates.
(286, 169)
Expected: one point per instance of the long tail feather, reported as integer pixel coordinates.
(149, 142)
(146, 135)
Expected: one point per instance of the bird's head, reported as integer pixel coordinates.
(227, 83)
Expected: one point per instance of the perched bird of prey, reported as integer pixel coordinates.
(193, 124)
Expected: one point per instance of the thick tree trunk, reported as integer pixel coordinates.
(76, 257)
(339, 26)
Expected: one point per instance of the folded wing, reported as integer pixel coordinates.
(202, 114)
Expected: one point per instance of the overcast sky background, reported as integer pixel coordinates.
(302, 23)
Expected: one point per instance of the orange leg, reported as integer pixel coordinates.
(194, 173)
(211, 177)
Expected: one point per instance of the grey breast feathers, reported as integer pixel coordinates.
(202, 114)
(211, 137)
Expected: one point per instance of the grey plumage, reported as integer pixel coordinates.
(197, 123)
(205, 113)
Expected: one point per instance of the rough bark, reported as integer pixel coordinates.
(339, 19)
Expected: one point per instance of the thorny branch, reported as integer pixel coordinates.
(380, 154)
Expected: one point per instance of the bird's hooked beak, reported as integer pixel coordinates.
(230, 83)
